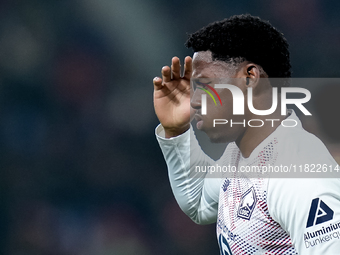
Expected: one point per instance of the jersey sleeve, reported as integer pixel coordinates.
(196, 195)
(308, 209)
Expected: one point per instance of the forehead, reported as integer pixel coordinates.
(201, 59)
(204, 66)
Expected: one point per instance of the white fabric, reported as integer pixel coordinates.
(197, 196)
(259, 215)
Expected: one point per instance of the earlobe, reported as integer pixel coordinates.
(249, 74)
(252, 75)
(252, 71)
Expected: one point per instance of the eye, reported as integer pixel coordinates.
(201, 83)
(194, 84)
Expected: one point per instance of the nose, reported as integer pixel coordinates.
(195, 101)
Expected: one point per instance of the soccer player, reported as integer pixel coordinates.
(253, 215)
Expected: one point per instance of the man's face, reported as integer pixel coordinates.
(211, 71)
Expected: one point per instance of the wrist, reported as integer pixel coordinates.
(173, 132)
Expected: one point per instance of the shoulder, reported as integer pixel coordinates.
(304, 205)
(296, 144)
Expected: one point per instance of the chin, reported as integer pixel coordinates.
(217, 138)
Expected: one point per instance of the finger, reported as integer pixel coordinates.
(187, 67)
(166, 74)
(158, 83)
(176, 68)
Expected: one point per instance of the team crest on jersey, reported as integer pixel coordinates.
(247, 205)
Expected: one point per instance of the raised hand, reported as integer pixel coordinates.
(172, 97)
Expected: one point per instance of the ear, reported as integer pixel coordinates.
(252, 74)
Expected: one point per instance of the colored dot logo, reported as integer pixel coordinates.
(206, 85)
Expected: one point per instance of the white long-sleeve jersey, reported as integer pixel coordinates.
(260, 215)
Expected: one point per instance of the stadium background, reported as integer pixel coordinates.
(81, 171)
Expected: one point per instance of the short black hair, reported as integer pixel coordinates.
(248, 37)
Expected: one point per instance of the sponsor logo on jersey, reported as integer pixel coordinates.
(319, 212)
(224, 246)
(322, 235)
(247, 205)
(226, 232)
(225, 185)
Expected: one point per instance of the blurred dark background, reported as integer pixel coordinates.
(81, 171)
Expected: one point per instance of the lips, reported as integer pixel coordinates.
(199, 121)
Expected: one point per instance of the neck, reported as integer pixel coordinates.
(253, 136)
